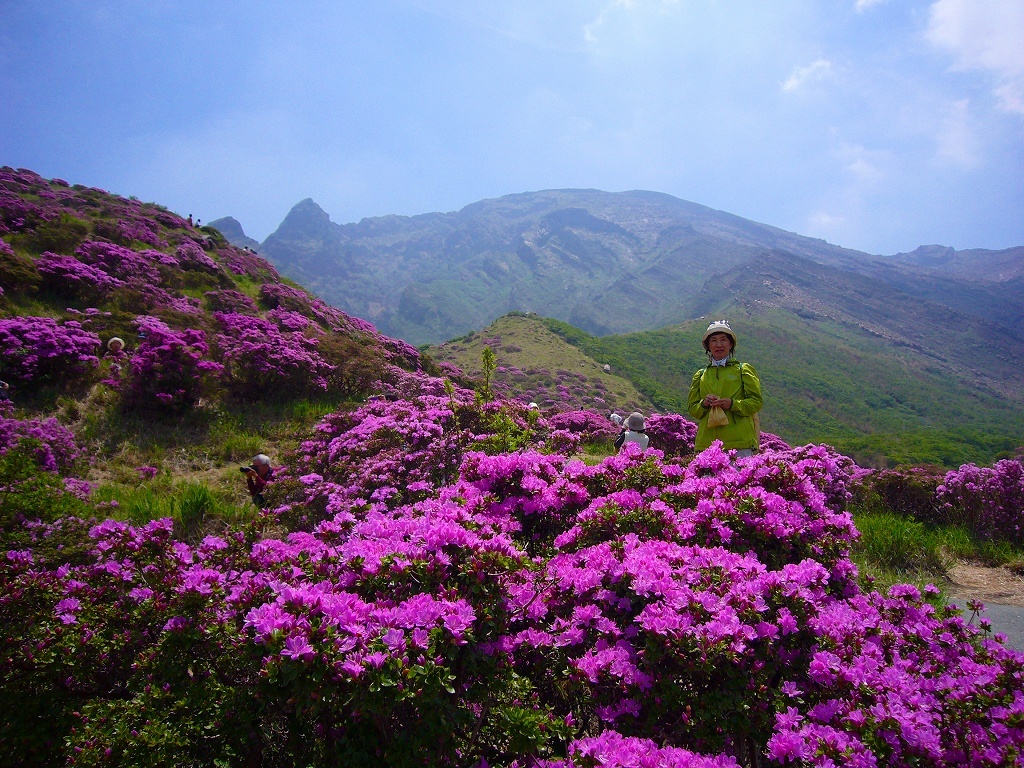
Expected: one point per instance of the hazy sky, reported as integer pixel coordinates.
(875, 124)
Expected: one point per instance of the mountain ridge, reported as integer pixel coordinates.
(606, 262)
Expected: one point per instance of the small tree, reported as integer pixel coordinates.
(489, 363)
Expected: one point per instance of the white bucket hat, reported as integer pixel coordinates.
(719, 326)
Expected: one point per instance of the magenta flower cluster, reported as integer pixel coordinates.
(230, 300)
(168, 368)
(41, 349)
(262, 359)
(989, 500)
(591, 426)
(695, 614)
(69, 273)
(123, 264)
(671, 433)
(56, 449)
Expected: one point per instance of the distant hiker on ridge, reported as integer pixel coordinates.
(725, 395)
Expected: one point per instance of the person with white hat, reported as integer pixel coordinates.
(632, 432)
(725, 396)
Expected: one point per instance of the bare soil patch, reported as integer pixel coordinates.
(990, 585)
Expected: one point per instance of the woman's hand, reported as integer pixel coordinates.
(725, 403)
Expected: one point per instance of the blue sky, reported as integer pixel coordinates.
(875, 124)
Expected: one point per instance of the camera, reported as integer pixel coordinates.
(246, 470)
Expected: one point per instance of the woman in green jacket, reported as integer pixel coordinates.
(730, 385)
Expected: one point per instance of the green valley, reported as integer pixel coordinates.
(823, 383)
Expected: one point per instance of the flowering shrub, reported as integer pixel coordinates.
(771, 442)
(120, 263)
(43, 350)
(261, 360)
(192, 256)
(671, 433)
(142, 231)
(589, 425)
(66, 274)
(989, 500)
(16, 213)
(245, 263)
(519, 606)
(287, 320)
(229, 300)
(168, 369)
(614, 749)
(54, 444)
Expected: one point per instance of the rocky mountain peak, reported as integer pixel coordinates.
(305, 220)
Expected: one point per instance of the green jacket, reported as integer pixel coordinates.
(737, 381)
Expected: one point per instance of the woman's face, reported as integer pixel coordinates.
(719, 345)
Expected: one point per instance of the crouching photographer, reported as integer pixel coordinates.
(257, 475)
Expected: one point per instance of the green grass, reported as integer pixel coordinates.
(894, 549)
(527, 343)
(195, 507)
(196, 456)
(823, 385)
(895, 543)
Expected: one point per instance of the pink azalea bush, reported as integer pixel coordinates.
(41, 349)
(54, 444)
(989, 500)
(671, 433)
(68, 274)
(168, 370)
(260, 359)
(591, 426)
(437, 602)
(120, 263)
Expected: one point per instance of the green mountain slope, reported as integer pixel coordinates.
(222, 358)
(823, 383)
(536, 364)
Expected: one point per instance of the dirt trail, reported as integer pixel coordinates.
(999, 586)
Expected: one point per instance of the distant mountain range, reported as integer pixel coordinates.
(612, 263)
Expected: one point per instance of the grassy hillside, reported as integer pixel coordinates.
(535, 364)
(823, 383)
(223, 358)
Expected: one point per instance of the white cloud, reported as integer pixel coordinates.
(813, 72)
(591, 30)
(866, 166)
(863, 5)
(984, 35)
(956, 141)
